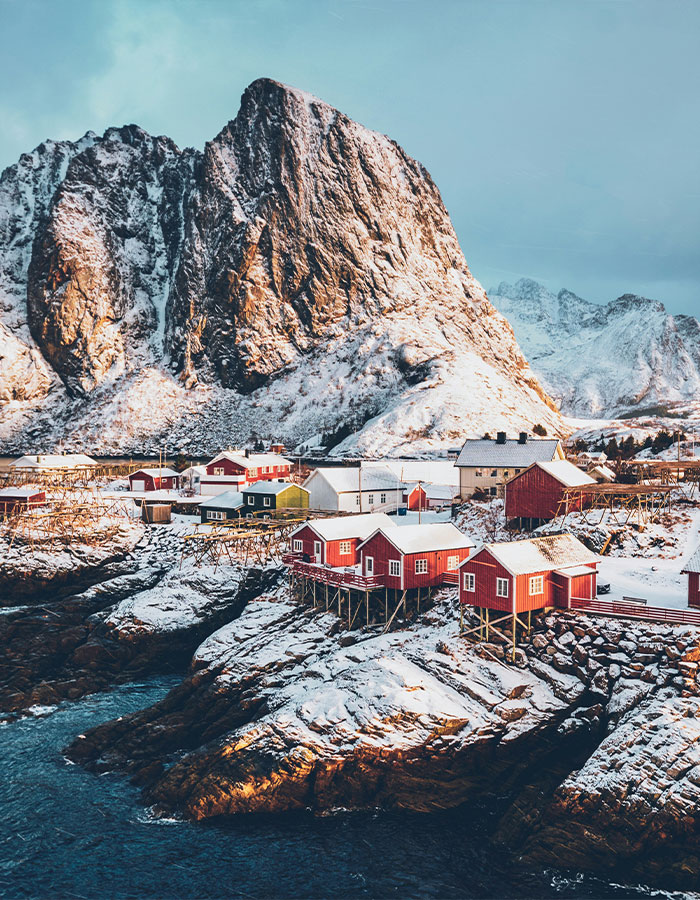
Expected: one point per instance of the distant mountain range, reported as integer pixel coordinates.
(627, 357)
(299, 276)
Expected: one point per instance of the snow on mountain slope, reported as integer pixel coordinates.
(626, 356)
(300, 274)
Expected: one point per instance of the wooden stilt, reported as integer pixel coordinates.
(367, 607)
(487, 623)
(513, 653)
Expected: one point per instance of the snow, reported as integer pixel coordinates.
(427, 538)
(566, 472)
(542, 554)
(341, 527)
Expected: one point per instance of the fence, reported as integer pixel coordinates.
(630, 611)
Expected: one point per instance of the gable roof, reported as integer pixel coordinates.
(226, 500)
(17, 493)
(693, 564)
(434, 471)
(271, 487)
(435, 491)
(156, 473)
(483, 452)
(561, 470)
(253, 461)
(425, 538)
(340, 528)
(605, 472)
(543, 554)
(54, 461)
(346, 479)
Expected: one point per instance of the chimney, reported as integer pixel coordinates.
(501, 437)
(523, 437)
(247, 451)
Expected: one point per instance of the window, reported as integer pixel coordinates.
(517, 471)
(266, 501)
(421, 566)
(479, 473)
(395, 568)
(219, 470)
(501, 587)
(267, 470)
(345, 547)
(357, 499)
(298, 546)
(253, 471)
(452, 563)
(494, 473)
(493, 491)
(251, 501)
(382, 498)
(371, 499)
(369, 565)
(537, 584)
(317, 550)
(469, 581)
(215, 514)
(505, 473)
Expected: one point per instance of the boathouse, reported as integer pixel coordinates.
(534, 495)
(154, 479)
(334, 541)
(692, 570)
(521, 576)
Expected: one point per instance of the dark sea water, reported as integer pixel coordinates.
(67, 833)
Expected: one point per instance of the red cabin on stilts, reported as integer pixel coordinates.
(535, 494)
(334, 541)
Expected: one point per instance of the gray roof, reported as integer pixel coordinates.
(271, 487)
(482, 452)
(226, 500)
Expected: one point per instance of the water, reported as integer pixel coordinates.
(67, 833)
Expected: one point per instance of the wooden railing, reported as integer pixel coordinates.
(348, 578)
(630, 611)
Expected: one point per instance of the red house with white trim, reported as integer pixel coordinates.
(414, 556)
(535, 493)
(155, 479)
(233, 470)
(531, 574)
(334, 541)
(692, 570)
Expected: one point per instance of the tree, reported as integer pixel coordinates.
(181, 462)
(539, 430)
(612, 451)
(580, 446)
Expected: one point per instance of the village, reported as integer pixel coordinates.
(510, 526)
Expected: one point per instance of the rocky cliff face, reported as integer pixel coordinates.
(300, 255)
(624, 357)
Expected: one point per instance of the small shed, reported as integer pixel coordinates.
(268, 495)
(414, 556)
(430, 496)
(221, 507)
(156, 513)
(533, 495)
(692, 570)
(520, 576)
(14, 499)
(154, 479)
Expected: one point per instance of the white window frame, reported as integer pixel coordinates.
(219, 470)
(469, 582)
(298, 546)
(317, 550)
(369, 565)
(345, 548)
(216, 515)
(421, 566)
(382, 498)
(452, 563)
(253, 471)
(536, 585)
(251, 501)
(357, 499)
(502, 588)
(395, 568)
(266, 501)
(370, 499)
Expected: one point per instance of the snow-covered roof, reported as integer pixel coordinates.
(426, 538)
(434, 471)
(339, 528)
(603, 472)
(17, 493)
(436, 491)
(543, 554)
(573, 571)
(564, 472)
(253, 461)
(693, 564)
(346, 479)
(156, 472)
(227, 500)
(54, 461)
(483, 452)
(193, 470)
(270, 487)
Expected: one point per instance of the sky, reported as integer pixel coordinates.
(564, 135)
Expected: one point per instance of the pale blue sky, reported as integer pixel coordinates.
(563, 134)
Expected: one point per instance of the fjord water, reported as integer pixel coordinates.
(67, 833)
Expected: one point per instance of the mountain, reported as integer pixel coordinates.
(625, 357)
(299, 276)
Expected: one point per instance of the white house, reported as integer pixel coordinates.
(360, 489)
(48, 461)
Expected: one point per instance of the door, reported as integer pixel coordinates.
(369, 565)
(138, 484)
(317, 551)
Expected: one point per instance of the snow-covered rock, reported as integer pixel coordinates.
(628, 356)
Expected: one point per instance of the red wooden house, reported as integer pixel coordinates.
(531, 574)
(535, 493)
(692, 570)
(334, 541)
(155, 479)
(428, 496)
(235, 470)
(414, 556)
(14, 500)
